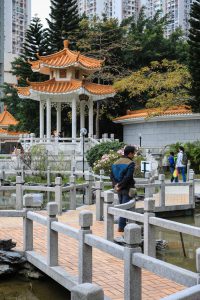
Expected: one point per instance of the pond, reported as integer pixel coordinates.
(18, 289)
(174, 252)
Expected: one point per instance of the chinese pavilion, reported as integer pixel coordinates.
(67, 83)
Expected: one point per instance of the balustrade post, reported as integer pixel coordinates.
(108, 218)
(89, 178)
(85, 251)
(99, 186)
(149, 230)
(58, 193)
(132, 274)
(191, 188)
(198, 261)
(23, 173)
(162, 190)
(27, 224)
(19, 193)
(188, 170)
(148, 189)
(72, 180)
(48, 181)
(52, 236)
(87, 291)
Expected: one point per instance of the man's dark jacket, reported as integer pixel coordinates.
(122, 173)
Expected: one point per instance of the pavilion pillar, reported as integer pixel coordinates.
(82, 114)
(58, 118)
(74, 119)
(41, 120)
(48, 118)
(90, 119)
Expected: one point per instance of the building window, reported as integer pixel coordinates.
(63, 73)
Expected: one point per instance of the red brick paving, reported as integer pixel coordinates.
(107, 270)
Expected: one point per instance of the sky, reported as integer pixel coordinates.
(41, 8)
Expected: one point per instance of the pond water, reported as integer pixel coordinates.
(17, 289)
(174, 252)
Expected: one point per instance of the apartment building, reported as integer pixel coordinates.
(15, 18)
(119, 9)
(178, 11)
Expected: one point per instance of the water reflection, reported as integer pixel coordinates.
(174, 253)
(17, 289)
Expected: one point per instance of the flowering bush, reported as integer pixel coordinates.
(107, 160)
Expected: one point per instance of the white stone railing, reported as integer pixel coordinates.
(134, 261)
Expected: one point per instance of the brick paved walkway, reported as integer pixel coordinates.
(107, 270)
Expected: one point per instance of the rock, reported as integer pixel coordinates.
(29, 271)
(11, 257)
(6, 270)
(7, 244)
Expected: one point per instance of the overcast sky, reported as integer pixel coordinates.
(41, 8)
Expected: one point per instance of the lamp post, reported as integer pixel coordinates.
(83, 133)
(140, 137)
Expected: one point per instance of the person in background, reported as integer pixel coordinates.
(122, 179)
(181, 163)
(171, 164)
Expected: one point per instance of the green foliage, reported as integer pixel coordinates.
(63, 22)
(96, 152)
(162, 84)
(192, 149)
(194, 54)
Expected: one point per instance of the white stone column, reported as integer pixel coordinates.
(74, 119)
(41, 120)
(90, 118)
(58, 119)
(82, 114)
(48, 118)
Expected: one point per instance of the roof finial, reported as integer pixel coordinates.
(66, 44)
(5, 107)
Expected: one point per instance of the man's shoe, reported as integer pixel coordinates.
(120, 230)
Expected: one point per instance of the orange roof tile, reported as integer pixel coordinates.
(7, 119)
(66, 58)
(7, 132)
(62, 87)
(144, 113)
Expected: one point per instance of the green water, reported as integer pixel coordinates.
(45, 289)
(174, 252)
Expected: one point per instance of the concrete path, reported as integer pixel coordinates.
(108, 271)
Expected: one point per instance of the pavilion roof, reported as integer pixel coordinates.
(63, 59)
(66, 87)
(6, 119)
(7, 132)
(154, 112)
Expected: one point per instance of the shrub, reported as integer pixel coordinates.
(96, 152)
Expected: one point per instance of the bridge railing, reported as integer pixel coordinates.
(131, 255)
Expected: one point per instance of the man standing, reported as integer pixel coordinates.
(181, 163)
(122, 178)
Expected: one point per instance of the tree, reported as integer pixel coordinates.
(194, 54)
(35, 42)
(162, 84)
(62, 23)
(25, 109)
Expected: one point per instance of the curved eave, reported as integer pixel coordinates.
(157, 119)
(74, 64)
(35, 93)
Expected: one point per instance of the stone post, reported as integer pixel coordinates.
(85, 251)
(48, 181)
(191, 188)
(32, 135)
(52, 236)
(58, 117)
(198, 261)
(19, 192)
(108, 219)
(89, 178)
(112, 136)
(27, 224)
(188, 170)
(149, 230)
(91, 115)
(74, 120)
(72, 192)
(148, 189)
(23, 173)
(162, 190)
(58, 193)
(99, 186)
(87, 291)
(132, 274)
